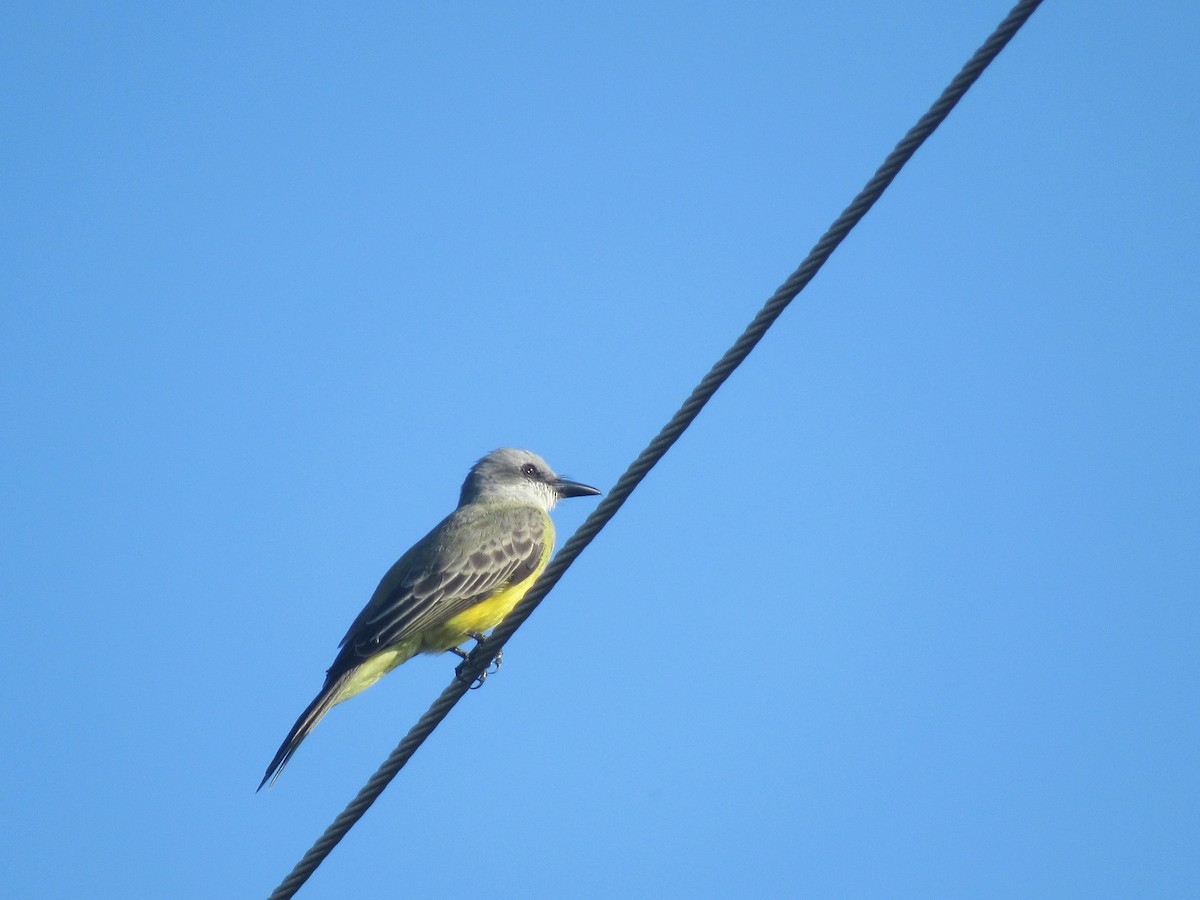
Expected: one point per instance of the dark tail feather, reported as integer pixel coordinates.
(308, 720)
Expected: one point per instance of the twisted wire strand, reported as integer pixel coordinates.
(657, 448)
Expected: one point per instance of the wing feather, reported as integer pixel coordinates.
(471, 554)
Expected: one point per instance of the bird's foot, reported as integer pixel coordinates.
(494, 665)
(462, 671)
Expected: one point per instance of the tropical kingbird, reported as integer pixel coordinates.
(455, 583)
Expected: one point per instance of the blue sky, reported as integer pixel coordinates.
(910, 611)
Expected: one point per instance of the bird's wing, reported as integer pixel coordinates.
(464, 560)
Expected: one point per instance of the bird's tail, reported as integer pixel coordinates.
(322, 703)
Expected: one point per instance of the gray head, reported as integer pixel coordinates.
(520, 476)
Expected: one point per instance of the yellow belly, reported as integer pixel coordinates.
(440, 638)
(480, 617)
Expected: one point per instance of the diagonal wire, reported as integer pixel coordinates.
(670, 433)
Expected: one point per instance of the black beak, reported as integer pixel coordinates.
(567, 488)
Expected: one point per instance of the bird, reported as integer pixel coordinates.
(454, 584)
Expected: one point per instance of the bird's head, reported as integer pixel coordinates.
(521, 476)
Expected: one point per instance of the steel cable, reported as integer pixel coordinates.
(607, 508)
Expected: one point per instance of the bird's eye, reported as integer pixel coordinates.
(529, 470)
